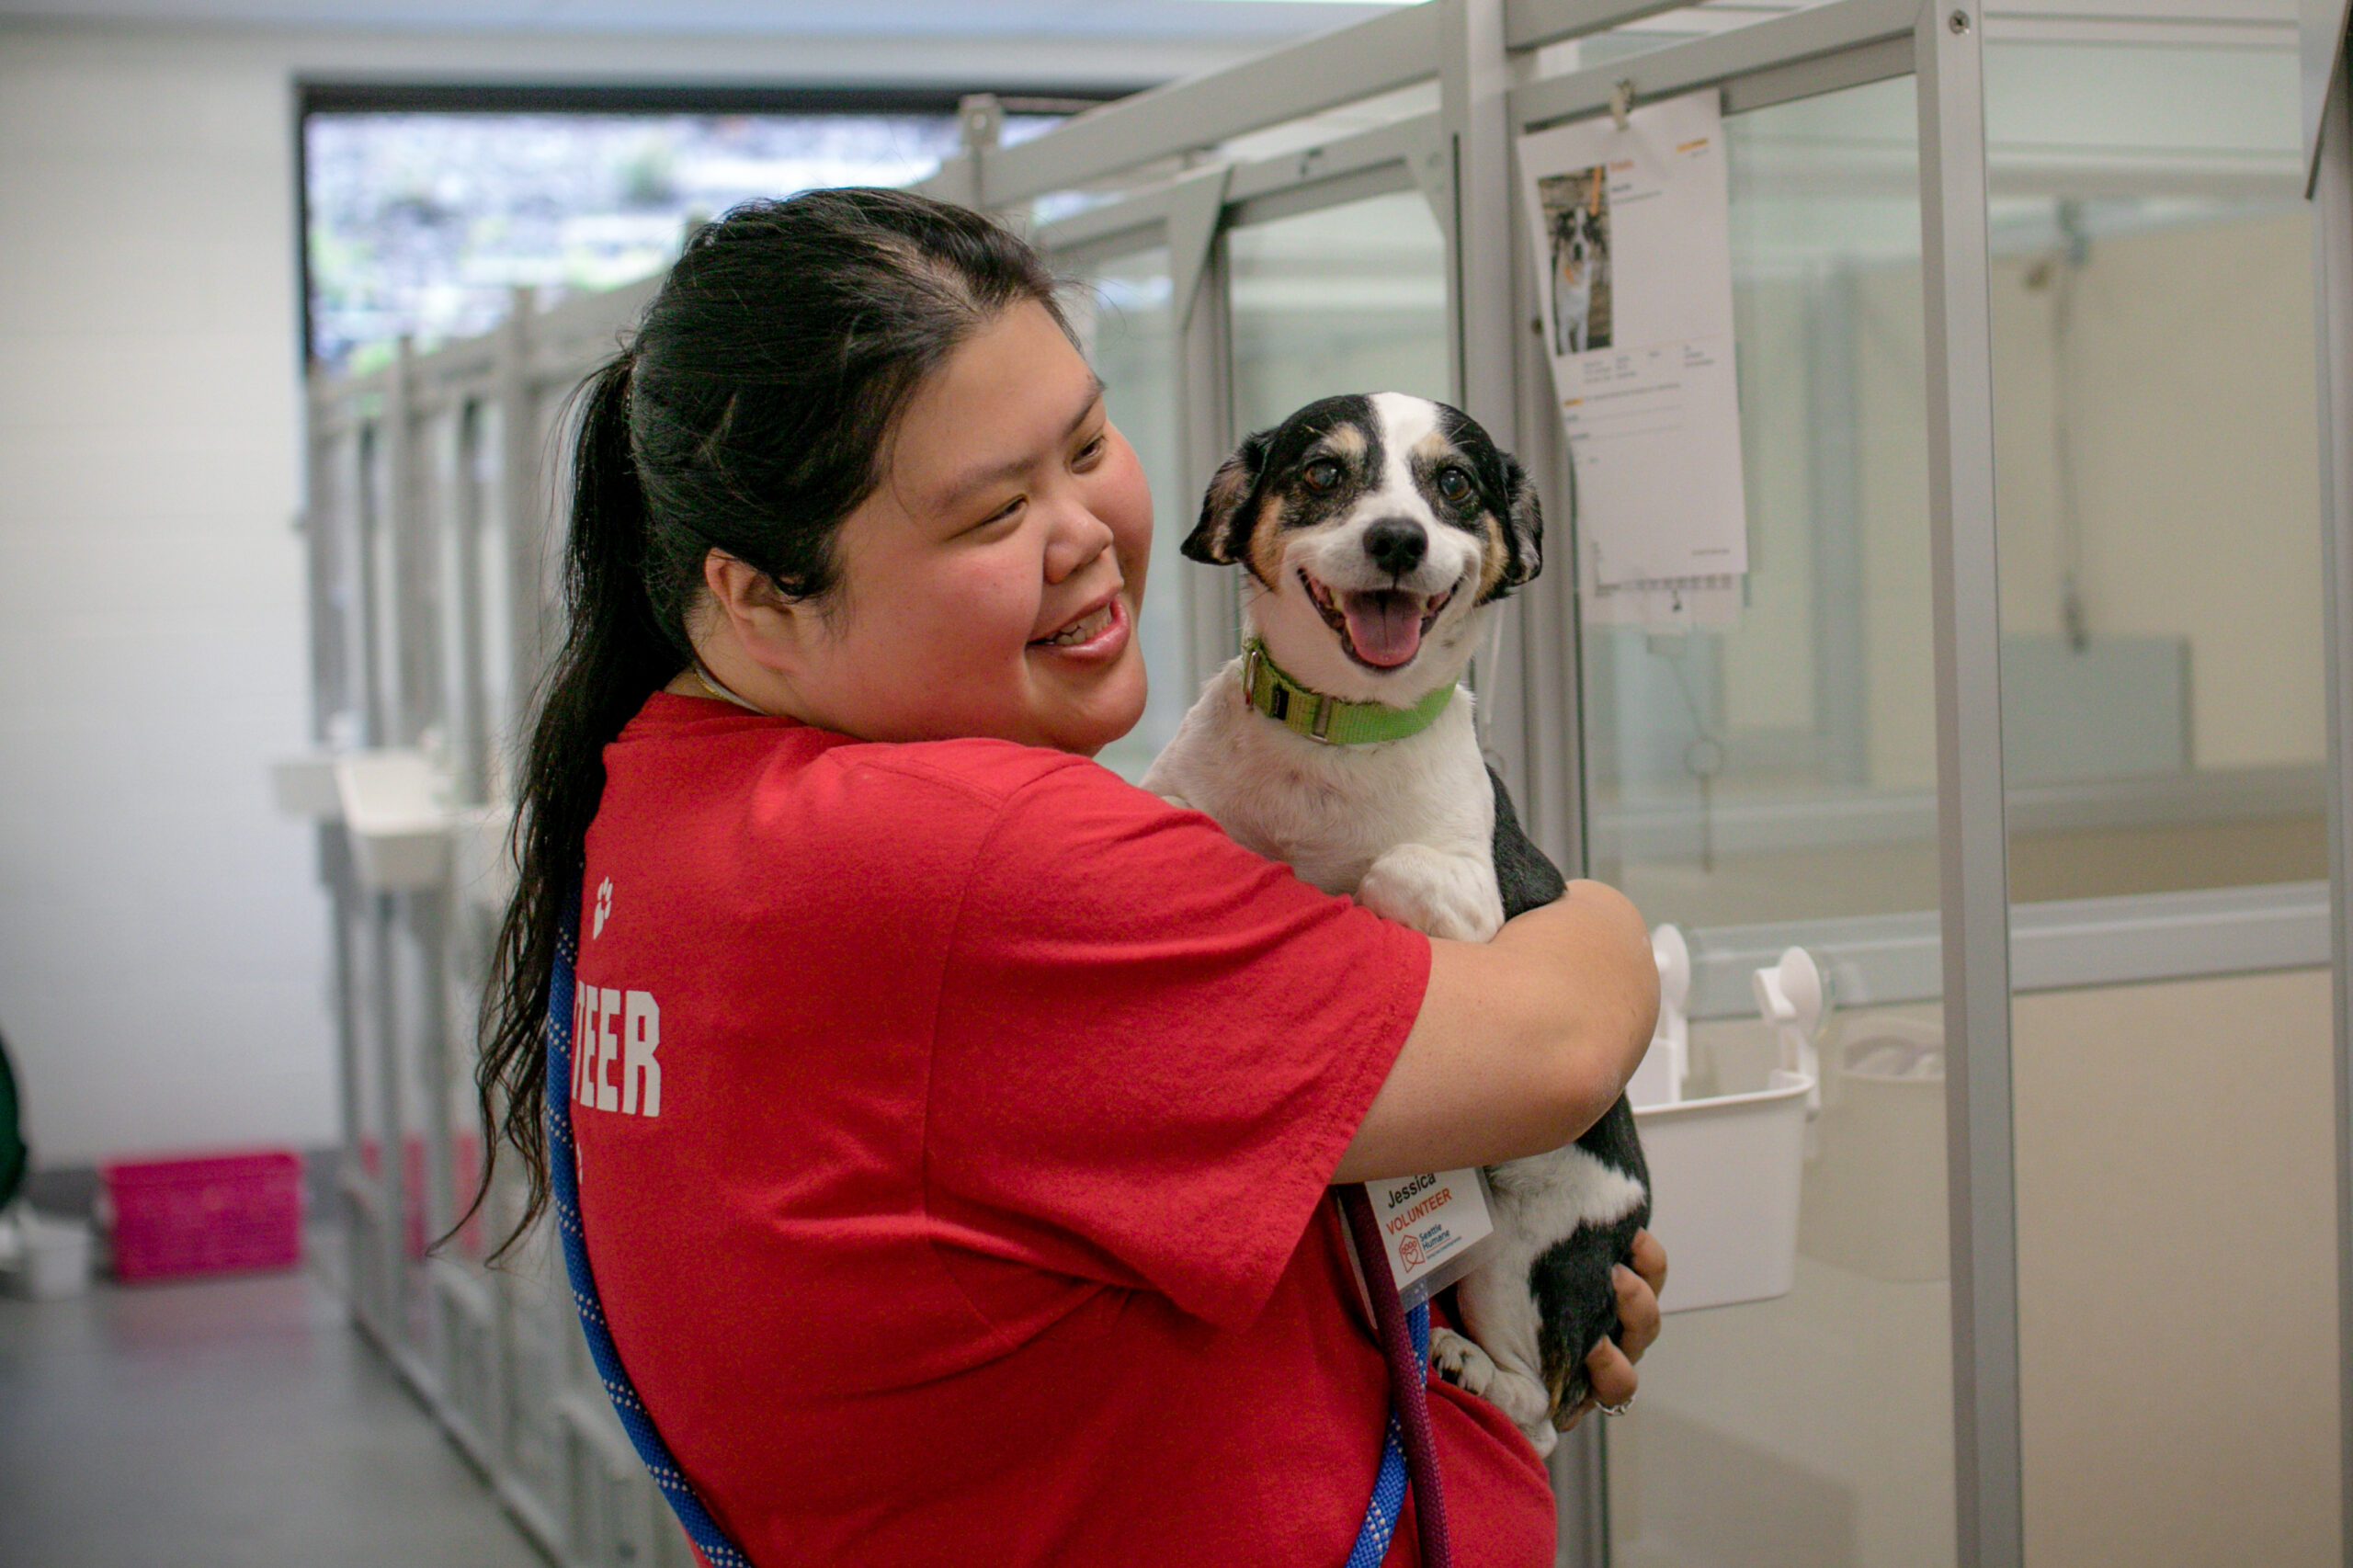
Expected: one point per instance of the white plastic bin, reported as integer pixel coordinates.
(482, 868)
(1724, 1177)
(1875, 1195)
(395, 806)
(42, 1259)
(305, 786)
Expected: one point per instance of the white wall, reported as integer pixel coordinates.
(2177, 1274)
(162, 968)
(2197, 465)
(2196, 462)
(2177, 1307)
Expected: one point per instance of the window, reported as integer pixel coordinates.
(425, 209)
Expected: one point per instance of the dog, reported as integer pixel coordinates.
(1377, 532)
(1580, 253)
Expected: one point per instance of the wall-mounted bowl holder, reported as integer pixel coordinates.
(1875, 1195)
(1667, 1066)
(42, 1258)
(304, 786)
(396, 808)
(406, 833)
(1725, 1170)
(482, 867)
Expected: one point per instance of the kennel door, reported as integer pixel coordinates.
(1783, 768)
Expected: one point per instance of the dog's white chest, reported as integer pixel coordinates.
(1405, 825)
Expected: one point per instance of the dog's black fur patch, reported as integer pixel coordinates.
(1575, 1297)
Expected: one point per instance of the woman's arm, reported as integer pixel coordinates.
(1521, 1042)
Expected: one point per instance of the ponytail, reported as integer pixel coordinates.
(748, 416)
(615, 654)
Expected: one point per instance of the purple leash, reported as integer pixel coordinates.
(1409, 1399)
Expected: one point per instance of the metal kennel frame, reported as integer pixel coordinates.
(433, 484)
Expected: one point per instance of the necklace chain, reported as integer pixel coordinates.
(711, 685)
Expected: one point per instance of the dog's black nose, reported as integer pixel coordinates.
(1396, 545)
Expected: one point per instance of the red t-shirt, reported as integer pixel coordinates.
(954, 1122)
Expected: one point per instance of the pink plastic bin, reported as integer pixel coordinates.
(205, 1214)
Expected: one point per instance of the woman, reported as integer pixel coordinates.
(953, 1119)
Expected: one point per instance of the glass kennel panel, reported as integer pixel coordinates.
(1126, 325)
(1784, 768)
(2164, 733)
(2159, 498)
(1350, 297)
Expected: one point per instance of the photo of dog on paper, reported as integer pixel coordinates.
(1576, 215)
(1632, 229)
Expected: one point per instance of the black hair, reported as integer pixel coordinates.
(749, 414)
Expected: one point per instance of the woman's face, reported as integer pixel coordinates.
(989, 586)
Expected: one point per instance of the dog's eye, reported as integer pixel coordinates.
(1324, 473)
(1453, 486)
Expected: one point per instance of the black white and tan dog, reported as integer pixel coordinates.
(1377, 532)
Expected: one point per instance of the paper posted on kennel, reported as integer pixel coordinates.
(1632, 231)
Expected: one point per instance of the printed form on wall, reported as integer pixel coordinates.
(1631, 222)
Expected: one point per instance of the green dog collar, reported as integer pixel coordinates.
(1334, 720)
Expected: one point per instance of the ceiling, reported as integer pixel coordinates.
(1075, 20)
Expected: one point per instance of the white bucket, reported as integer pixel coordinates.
(1875, 1197)
(1724, 1177)
(395, 807)
(42, 1259)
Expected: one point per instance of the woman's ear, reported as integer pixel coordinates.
(742, 605)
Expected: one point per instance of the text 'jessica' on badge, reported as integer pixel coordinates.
(1433, 1225)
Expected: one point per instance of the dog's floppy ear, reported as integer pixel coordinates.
(1218, 539)
(1523, 526)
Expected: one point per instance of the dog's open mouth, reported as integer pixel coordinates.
(1381, 627)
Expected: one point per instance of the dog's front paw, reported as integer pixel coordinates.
(1446, 895)
(1461, 1361)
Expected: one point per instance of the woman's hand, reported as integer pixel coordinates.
(1611, 1367)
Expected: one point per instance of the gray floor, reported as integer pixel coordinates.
(238, 1423)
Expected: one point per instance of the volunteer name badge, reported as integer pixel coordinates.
(1433, 1226)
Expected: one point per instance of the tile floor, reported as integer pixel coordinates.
(230, 1424)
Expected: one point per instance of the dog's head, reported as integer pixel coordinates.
(1578, 238)
(1375, 527)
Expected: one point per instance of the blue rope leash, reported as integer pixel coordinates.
(701, 1529)
(1388, 1483)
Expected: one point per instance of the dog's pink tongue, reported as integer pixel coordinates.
(1385, 625)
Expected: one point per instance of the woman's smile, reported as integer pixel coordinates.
(1097, 634)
